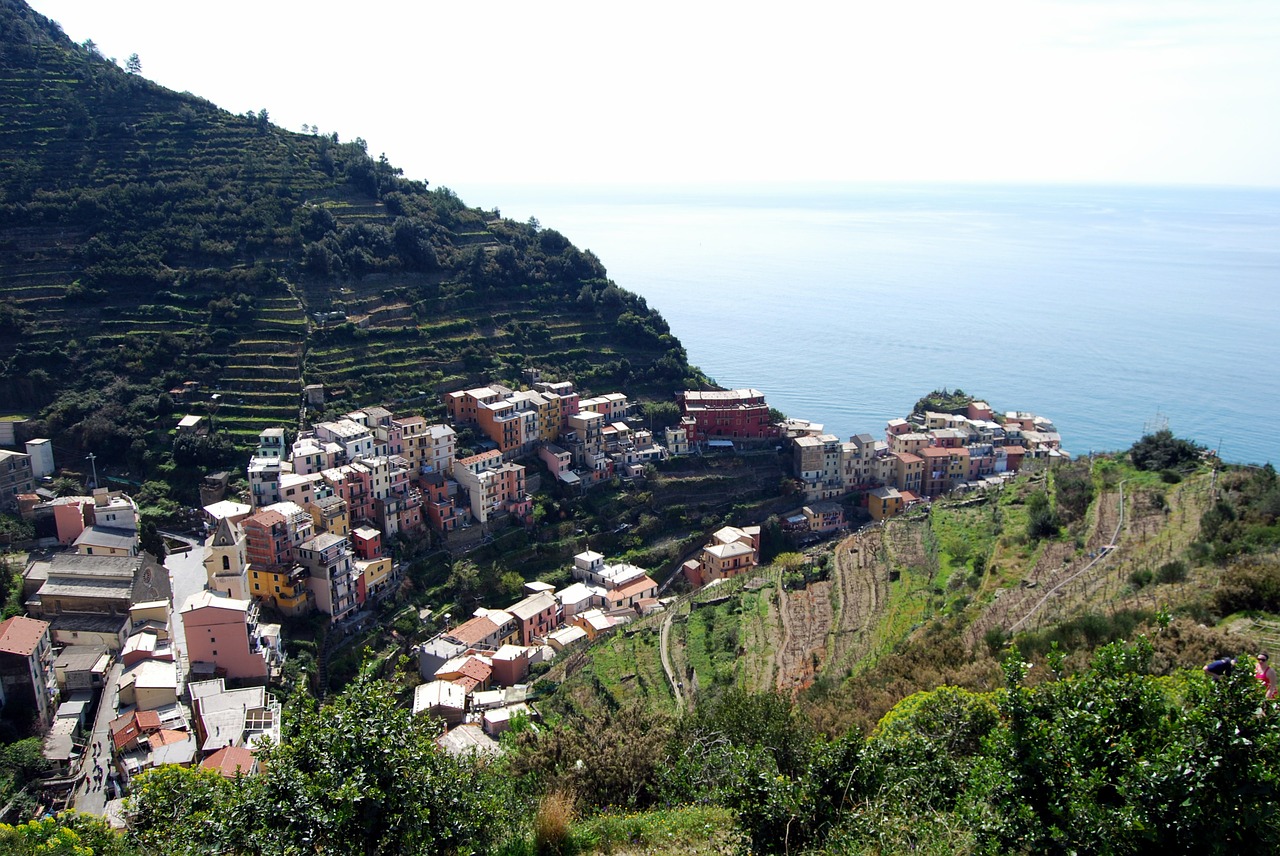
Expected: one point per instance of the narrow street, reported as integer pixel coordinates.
(186, 577)
(90, 794)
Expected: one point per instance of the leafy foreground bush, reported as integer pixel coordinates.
(361, 775)
(1114, 760)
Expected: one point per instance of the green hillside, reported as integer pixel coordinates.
(850, 628)
(148, 238)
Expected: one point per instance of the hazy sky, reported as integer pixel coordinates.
(462, 92)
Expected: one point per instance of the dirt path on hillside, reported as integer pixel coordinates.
(664, 638)
(1058, 561)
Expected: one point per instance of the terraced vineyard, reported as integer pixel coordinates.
(908, 606)
(148, 238)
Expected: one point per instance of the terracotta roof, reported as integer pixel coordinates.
(467, 684)
(231, 761)
(21, 635)
(473, 631)
(125, 729)
(165, 736)
(477, 669)
(631, 589)
(125, 736)
(148, 720)
(267, 518)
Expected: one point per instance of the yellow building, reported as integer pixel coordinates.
(377, 574)
(884, 502)
(286, 590)
(330, 515)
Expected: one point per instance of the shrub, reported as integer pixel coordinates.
(1249, 585)
(1172, 572)
(1163, 451)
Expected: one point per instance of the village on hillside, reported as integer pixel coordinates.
(128, 664)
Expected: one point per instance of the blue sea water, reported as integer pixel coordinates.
(1111, 310)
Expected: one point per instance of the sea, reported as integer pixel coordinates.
(1113, 311)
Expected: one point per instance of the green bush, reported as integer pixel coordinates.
(1172, 572)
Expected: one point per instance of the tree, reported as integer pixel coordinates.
(360, 775)
(1163, 451)
(151, 541)
(69, 834)
(1113, 762)
(133, 65)
(1042, 520)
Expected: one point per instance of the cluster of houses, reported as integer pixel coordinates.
(476, 671)
(117, 677)
(922, 458)
(316, 533)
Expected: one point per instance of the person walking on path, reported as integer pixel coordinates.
(1267, 675)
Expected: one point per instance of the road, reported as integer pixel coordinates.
(186, 577)
(90, 794)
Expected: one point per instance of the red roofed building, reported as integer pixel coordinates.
(479, 632)
(26, 665)
(908, 471)
(125, 730)
(471, 674)
(231, 762)
(630, 594)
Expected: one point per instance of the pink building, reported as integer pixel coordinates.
(222, 631)
(536, 615)
(267, 542)
(442, 511)
(70, 515)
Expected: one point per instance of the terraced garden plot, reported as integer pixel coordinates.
(860, 576)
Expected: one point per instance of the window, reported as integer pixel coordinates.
(226, 563)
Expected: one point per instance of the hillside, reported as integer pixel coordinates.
(860, 698)
(933, 598)
(148, 238)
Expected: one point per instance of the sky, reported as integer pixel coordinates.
(459, 93)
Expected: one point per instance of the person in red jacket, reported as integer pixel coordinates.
(1267, 675)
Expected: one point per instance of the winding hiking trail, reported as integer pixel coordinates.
(663, 640)
(1059, 571)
